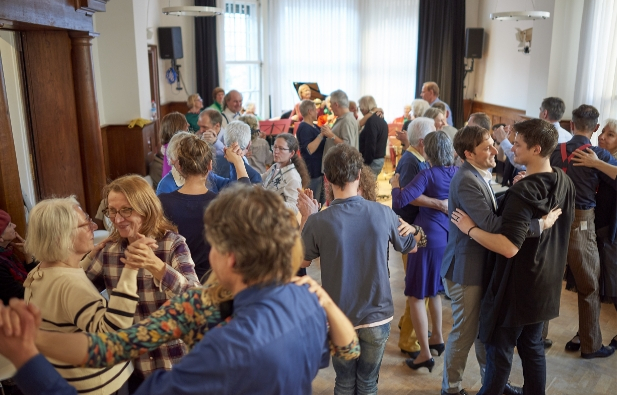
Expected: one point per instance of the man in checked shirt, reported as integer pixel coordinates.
(142, 236)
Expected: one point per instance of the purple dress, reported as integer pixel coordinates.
(422, 278)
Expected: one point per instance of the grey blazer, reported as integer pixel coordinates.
(464, 260)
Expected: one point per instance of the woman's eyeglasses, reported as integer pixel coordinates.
(124, 212)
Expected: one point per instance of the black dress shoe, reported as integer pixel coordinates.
(603, 352)
(429, 364)
(614, 343)
(461, 392)
(437, 347)
(571, 346)
(548, 343)
(512, 390)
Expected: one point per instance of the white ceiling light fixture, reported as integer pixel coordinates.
(520, 15)
(186, 10)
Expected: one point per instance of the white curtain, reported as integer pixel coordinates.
(363, 47)
(596, 81)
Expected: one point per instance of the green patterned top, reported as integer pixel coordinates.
(187, 317)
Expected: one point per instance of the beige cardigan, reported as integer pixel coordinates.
(69, 302)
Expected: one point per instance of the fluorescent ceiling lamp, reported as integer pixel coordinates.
(520, 15)
(192, 11)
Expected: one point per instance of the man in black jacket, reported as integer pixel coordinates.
(525, 282)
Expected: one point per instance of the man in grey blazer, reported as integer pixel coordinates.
(464, 261)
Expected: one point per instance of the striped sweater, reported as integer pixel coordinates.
(69, 302)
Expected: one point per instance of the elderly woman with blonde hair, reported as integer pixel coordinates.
(59, 234)
(142, 237)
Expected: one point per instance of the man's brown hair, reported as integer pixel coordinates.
(432, 86)
(481, 119)
(342, 165)
(214, 116)
(585, 118)
(468, 138)
(538, 132)
(254, 225)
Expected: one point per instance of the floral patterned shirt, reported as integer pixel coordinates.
(188, 317)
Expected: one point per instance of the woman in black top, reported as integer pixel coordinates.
(185, 207)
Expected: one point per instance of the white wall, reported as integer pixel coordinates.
(12, 80)
(510, 78)
(121, 58)
(502, 75)
(156, 19)
(118, 64)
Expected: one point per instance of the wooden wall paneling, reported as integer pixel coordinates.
(153, 67)
(11, 199)
(179, 106)
(51, 100)
(90, 142)
(498, 114)
(128, 151)
(105, 152)
(61, 14)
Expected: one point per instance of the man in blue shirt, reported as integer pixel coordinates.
(351, 238)
(430, 93)
(277, 338)
(583, 257)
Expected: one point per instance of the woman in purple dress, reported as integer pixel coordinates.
(422, 279)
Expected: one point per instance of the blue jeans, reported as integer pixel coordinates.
(376, 166)
(499, 353)
(316, 185)
(359, 376)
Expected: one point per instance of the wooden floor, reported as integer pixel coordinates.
(567, 373)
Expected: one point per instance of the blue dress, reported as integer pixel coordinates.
(422, 278)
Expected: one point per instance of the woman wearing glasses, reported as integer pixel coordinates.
(59, 234)
(289, 172)
(142, 237)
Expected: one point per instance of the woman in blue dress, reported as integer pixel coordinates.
(422, 279)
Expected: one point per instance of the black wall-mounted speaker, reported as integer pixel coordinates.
(170, 42)
(474, 42)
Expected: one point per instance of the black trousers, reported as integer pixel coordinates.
(499, 352)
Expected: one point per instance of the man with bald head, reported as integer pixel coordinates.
(231, 106)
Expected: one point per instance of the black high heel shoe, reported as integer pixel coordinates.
(572, 346)
(437, 347)
(429, 364)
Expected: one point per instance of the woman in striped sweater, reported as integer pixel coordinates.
(59, 234)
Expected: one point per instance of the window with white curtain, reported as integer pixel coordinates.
(363, 47)
(596, 81)
(243, 51)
